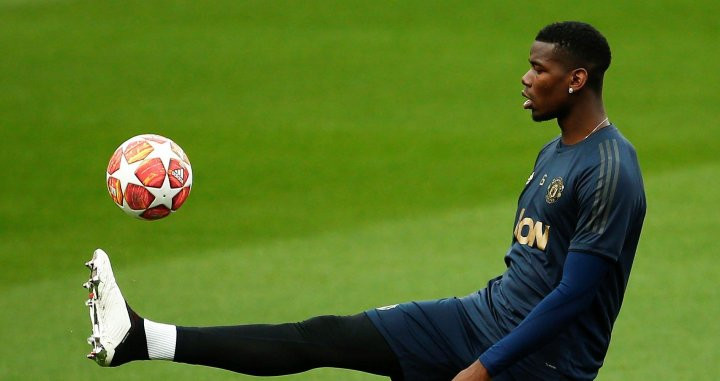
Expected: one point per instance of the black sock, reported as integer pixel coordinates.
(134, 345)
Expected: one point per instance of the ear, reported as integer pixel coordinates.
(578, 78)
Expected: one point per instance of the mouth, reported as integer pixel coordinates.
(528, 103)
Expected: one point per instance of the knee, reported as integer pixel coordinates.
(319, 326)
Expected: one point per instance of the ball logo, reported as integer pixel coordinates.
(178, 174)
(554, 190)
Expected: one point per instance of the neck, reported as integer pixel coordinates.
(585, 116)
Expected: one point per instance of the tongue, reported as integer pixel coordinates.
(527, 104)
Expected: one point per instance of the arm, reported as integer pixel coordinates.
(582, 274)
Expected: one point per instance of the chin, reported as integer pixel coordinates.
(540, 117)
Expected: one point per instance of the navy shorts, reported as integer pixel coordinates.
(436, 339)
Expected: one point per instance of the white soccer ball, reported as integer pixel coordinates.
(149, 177)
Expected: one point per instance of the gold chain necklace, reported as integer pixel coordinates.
(596, 128)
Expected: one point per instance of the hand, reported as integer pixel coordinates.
(475, 372)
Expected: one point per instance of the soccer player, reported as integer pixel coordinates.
(547, 317)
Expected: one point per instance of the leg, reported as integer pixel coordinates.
(120, 335)
(433, 340)
(350, 342)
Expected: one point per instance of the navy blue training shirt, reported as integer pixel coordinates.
(586, 198)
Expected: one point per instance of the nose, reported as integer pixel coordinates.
(526, 79)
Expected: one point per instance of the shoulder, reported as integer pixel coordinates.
(549, 145)
(609, 150)
(609, 161)
(547, 149)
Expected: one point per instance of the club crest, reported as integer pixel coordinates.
(554, 190)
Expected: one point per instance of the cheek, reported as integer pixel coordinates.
(551, 91)
(542, 85)
(549, 98)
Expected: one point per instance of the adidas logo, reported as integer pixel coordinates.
(178, 174)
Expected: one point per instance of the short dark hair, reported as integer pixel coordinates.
(584, 45)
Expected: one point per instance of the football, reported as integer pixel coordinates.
(149, 177)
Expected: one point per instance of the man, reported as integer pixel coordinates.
(548, 317)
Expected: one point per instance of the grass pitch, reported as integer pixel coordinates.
(347, 155)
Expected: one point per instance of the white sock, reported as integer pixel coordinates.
(161, 340)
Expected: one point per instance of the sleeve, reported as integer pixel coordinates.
(582, 274)
(607, 194)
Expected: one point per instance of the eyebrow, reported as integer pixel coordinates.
(534, 62)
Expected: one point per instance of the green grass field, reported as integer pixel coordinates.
(346, 154)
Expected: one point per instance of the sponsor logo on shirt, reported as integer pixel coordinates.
(536, 234)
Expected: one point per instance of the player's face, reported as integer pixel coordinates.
(546, 83)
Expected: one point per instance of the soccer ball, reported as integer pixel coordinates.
(149, 177)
